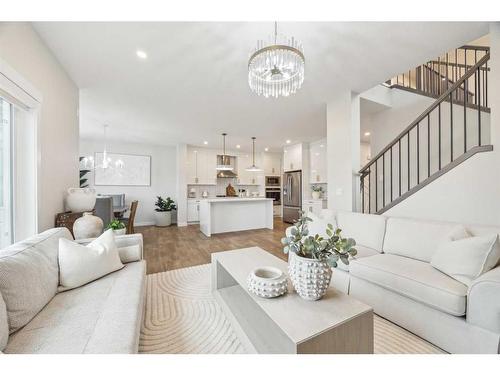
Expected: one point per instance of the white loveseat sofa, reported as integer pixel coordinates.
(103, 316)
(392, 273)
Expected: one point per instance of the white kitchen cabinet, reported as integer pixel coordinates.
(271, 163)
(277, 210)
(318, 160)
(201, 166)
(313, 205)
(193, 211)
(192, 166)
(292, 157)
(209, 163)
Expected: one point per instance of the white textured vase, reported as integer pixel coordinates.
(316, 195)
(80, 199)
(310, 277)
(163, 218)
(87, 226)
(267, 282)
(120, 232)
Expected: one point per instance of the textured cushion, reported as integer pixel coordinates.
(367, 230)
(4, 324)
(79, 265)
(129, 254)
(101, 317)
(413, 279)
(363, 252)
(415, 238)
(29, 275)
(468, 258)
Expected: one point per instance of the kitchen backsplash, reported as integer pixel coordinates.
(220, 188)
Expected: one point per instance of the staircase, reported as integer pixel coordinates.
(452, 129)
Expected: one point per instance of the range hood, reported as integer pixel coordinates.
(229, 161)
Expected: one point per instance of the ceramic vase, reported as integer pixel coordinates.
(310, 277)
(87, 226)
(267, 282)
(316, 195)
(163, 218)
(80, 199)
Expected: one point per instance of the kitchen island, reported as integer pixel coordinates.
(222, 215)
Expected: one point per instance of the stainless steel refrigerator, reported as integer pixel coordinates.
(292, 196)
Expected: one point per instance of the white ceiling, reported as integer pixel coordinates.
(193, 85)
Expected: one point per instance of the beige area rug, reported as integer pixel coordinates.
(182, 317)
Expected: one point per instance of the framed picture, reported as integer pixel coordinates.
(122, 170)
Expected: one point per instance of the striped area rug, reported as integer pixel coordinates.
(182, 317)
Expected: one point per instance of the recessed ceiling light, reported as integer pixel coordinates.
(367, 134)
(288, 141)
(205, 142)
(141, 54)
(321, 145)
(266, 149)
(238, 146)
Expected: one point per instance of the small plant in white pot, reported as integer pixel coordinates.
(316, 191)
(163, 214)
(118, 227)
(311, 258)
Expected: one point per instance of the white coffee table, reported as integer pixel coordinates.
(337, 323)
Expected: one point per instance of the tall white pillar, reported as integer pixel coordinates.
(181, 185)
(343, 139)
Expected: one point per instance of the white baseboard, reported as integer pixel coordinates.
(149, 223)
(144, 223)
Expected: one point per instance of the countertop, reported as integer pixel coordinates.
(235, 199)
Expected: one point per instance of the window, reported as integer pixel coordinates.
(18, 205)
(6, 202)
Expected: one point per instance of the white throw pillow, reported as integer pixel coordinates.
(79, 265)
(467, 258)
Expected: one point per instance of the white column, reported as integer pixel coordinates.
(181, 185)
(343, 128)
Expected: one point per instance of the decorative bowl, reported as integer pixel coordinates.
(267, 282)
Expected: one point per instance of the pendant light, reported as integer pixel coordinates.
(253, 167)
(225, 162)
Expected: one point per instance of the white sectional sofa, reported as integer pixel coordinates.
(392, 273)
(103, 316)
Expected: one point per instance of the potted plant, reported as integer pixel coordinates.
(117, 226)
(316, 191)
(311, 258)
(163, 214)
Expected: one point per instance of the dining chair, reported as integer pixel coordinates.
(104, 209)
(129, 221)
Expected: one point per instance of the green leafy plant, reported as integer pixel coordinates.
(332, 249)
(317, 188)
(115, 225)
(163, 205)
(83, 172)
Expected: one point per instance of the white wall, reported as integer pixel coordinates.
(163, 175)
(469, 193)
(25, 52)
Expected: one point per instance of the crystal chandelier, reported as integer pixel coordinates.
(107, 162)
(276, 68)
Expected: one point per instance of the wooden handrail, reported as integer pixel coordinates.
(433, 106)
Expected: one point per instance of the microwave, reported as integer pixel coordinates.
(273, 181)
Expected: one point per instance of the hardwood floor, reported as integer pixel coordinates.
(175, 247)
